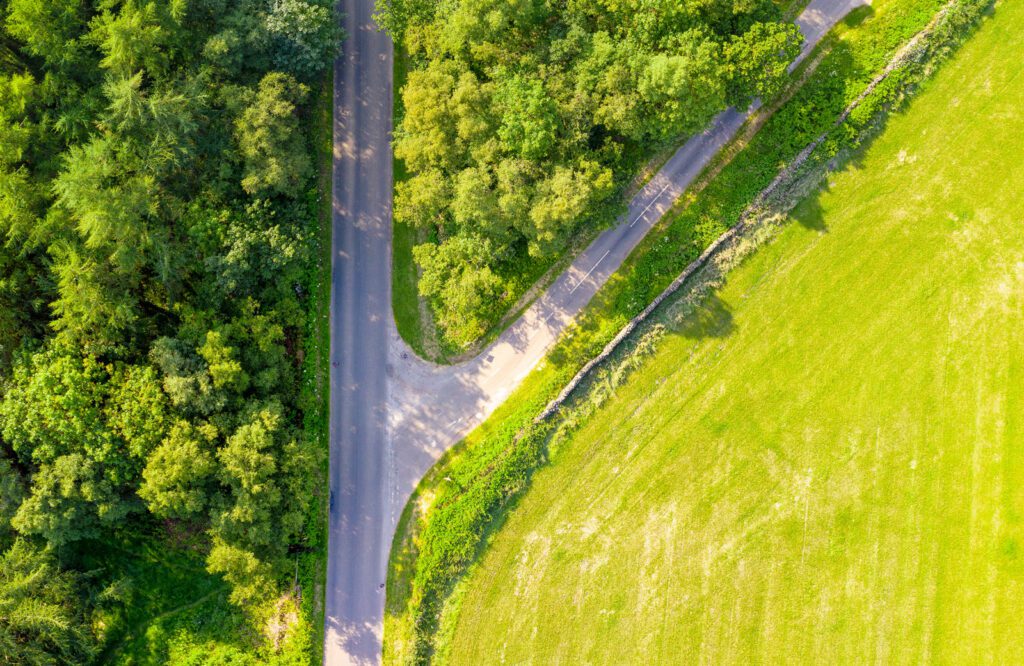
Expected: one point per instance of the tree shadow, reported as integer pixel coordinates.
(858, 16)
(809, 212)
(710, 318)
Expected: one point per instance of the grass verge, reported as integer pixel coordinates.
(460, 504)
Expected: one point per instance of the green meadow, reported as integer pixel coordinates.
(824, 463)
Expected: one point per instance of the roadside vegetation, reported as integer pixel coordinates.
(821, 462)
(521, 125)
(466, 497)
(163, 341)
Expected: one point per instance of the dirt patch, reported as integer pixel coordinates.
(282, 621)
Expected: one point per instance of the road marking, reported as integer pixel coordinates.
(653, 201)
(455, 422)
(590, 272)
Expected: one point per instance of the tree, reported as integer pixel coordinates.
(457, 277)
(12, 493)
(115, 207)
(156, 231)
(529, 119)
(248, 468)
(137, 410)
(422, 200)
(427, 136)
(186, 380)
(523, 118)
(94, 305)
(562, 200)
(178, 474)
(250, 578)
(267, 474)
(23, 296)
(758, 60)
(305, 37)
(276, 159)
(22, 196)
(71, 498)
(54, 406)
(86, 428)
(47, 28)
(681, 91)
(41, 620)
(131, 39)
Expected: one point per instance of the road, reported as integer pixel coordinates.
(393, 414)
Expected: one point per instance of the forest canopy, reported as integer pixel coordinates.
(523, 119)
(157, 212)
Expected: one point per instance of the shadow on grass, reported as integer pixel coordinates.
(712, 318)
(151, 596)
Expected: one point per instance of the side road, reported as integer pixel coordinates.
(393, 414)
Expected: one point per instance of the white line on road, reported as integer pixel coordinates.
(644, 211)
(589, 272)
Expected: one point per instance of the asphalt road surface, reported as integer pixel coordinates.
(393, 414)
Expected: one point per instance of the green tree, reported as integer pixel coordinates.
(131, 39)
(71, 498)
(529, 117)
(458, 279)
(562, 200)
(12, 493)
(474, 205)
(523, 118)
(422, 200)
(41, 620)
(758, 60)
(276, 159)
(267, 474)
(305, 37)
(177, 480)
(47, 28)
(251, 579)
(94, 305)
(186, 380)
(681, 91)
(86, 427)
(137, 410)
(427, 137)
(22, 196)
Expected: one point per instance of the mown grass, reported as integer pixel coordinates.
(466, 497)
(822, 464)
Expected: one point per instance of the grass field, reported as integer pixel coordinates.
(822, 465)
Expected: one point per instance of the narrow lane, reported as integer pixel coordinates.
(360, 312)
